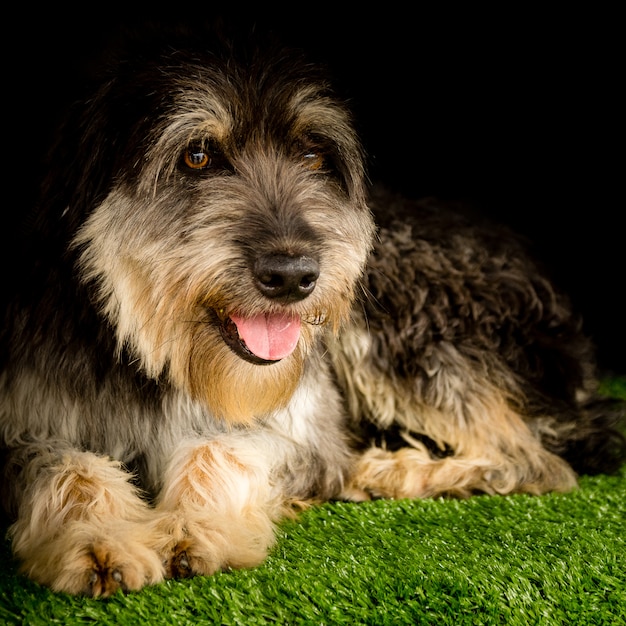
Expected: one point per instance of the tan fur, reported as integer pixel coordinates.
(234, 486)
(412, 473)
(81, 518)
(267, 389)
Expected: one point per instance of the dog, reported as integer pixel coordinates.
(216, 322)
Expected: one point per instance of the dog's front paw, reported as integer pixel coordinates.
(190, 557)
(197, 543)
(114, 566)
(93, 560)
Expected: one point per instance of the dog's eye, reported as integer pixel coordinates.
(314, 153)
(313, 160)
(196, 158)
(200, 157)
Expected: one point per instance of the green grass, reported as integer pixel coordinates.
(555, 559)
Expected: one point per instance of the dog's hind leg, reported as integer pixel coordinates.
(412, 472)
(489, 450)
(217, 508)
(81, 527)
(459, 433)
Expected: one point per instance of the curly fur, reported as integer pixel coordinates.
(143, 440)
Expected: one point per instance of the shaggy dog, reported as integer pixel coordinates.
(205, 333)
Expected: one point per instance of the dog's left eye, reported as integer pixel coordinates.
(313, 160)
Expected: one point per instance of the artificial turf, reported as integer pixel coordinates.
(554, 559)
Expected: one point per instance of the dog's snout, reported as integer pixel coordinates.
(286, 277)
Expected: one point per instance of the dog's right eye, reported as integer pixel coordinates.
(201, 157)
(196, 158)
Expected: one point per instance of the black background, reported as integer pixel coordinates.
(516, 112)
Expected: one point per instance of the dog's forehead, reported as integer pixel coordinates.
(236, 103)
(272, 92)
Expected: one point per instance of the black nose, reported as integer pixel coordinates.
(289, 278)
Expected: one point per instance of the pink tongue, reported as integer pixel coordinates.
(270, 337)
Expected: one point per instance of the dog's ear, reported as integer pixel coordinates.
(99, 111)
(78, 171)
(82, 161)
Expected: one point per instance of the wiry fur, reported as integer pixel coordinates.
(138, 445)
(488, 362)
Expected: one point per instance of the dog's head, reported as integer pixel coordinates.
(221, 218)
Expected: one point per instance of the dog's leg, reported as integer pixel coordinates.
(412, 473)
(216, 508)
(81, 527)
(495, 453)
(487, 445)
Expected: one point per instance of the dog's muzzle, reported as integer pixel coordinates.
(267, 338)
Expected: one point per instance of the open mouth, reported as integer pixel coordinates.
(261, 339)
